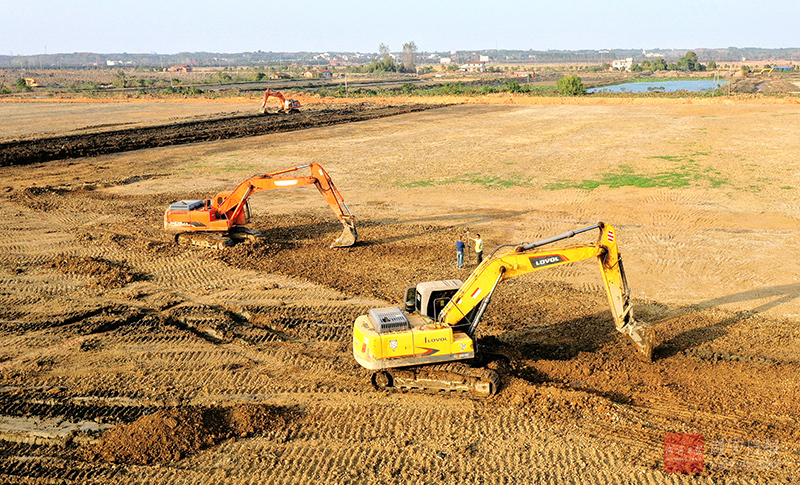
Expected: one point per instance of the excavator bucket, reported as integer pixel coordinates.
(348, 238)
(643, 337)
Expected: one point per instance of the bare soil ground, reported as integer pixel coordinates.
(127, 359)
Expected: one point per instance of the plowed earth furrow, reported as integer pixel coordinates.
(73, 146)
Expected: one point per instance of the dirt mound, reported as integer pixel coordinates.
(109, 274)
(172, 434)
(761, 85)
(779, 86)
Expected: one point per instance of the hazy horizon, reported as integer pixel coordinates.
(148, 27)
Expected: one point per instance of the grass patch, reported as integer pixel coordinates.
(617, 180)
(687, 172)
(487, 181)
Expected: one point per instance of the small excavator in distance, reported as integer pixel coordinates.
(219, 222)
(424, 347)
(284, 105)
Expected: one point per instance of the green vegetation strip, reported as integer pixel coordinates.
(487, 181)
(686, 171)
(689, 172)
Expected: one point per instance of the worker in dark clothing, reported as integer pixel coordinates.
(460, 246)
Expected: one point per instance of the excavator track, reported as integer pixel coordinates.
(210, 240)
(245, 234)
(450, 378)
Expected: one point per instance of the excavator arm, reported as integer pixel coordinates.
(467, 306)
(267, 94)
(232, 204)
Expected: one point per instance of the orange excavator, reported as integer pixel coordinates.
(220, 222)
(284, 106)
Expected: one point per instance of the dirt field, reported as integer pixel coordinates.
(127, 359)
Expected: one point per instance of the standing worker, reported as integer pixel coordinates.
(460, 252)
(478, 247)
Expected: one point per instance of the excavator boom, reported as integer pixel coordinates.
(465, 306)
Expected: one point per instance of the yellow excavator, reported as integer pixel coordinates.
(425, 346)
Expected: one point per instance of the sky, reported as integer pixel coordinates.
(173, 26)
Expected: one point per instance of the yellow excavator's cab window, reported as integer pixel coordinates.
(411, 298)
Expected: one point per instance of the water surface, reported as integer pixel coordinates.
(659, 87)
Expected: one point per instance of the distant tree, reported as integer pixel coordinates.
(384, 51)
(646, 64)
(260, 76)
(382, 65)
(22, 85)
(409, 51)
(570, 86)
(711, 65)
(119, 79)
(636, 67)
(659, 64)
(689, 62)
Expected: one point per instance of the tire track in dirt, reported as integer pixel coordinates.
(378, 444)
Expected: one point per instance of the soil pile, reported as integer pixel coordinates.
(172, 434)
(762, 85)
(109, 274)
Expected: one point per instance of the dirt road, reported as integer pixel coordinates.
(111, 332)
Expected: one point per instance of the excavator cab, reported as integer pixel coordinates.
(429, 298)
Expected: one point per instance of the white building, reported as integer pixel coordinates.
(622, 65)
(474, 66)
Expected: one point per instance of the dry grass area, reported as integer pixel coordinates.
(703, 193)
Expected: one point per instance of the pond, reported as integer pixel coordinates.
(659, 87)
